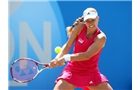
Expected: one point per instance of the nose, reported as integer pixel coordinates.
(90, 23)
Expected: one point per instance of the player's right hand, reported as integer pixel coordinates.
(53, 63)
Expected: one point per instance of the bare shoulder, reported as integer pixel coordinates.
(101, 38)
(101, 35)
(79, 27)
(75, 31)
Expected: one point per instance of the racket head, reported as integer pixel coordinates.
(24, 70)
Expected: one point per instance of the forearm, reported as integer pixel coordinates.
(79, 56)
(83, 55)
(92, 50)
(75, 57)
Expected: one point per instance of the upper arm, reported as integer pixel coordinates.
(66, 47)
(74, 34)
(98, 44)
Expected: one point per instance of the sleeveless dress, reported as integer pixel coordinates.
(83, 73)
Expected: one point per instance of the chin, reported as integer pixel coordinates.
(92, 28)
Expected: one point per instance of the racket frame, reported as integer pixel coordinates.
(44, 66)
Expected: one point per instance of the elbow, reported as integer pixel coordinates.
(104, 41)
(68, 47)
(86, 56)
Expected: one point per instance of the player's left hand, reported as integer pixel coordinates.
(61, 61)
(54, 63)
(57, 62)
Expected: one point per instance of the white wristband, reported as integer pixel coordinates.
(67, 57)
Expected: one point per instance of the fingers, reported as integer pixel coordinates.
(53, 63)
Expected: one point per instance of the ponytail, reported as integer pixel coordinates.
(70, 28)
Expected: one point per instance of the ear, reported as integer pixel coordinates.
(98, 18)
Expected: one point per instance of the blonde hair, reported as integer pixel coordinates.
(70, 28)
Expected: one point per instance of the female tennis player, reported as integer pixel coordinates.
(82, 68)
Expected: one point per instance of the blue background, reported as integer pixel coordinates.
(115, 21)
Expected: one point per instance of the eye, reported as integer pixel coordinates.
(93, 19)
(88, 21)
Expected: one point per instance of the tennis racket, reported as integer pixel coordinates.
(24, 70)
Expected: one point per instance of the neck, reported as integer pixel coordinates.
(90, 32)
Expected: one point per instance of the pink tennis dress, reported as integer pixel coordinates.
(83, 73)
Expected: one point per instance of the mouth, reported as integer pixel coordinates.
(91, 26)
